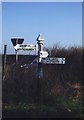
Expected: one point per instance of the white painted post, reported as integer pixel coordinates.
(16, 52)
(39, 70)
(40, 46)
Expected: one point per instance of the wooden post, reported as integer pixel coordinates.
(4, 61)
(5, 49)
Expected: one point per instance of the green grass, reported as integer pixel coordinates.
(61, 106)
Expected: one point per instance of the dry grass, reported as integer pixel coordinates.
(20, 84)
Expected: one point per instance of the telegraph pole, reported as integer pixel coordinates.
(39, 71)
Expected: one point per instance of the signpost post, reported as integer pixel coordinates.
(53, 60)
(39, 70)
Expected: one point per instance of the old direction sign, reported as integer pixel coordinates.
(53, 60)
(24, 47)
(43, 54)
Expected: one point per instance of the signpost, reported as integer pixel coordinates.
(43, 54)
(16, 41)
(25, 47)
(42, 58)
(39, 70)
(53, 60)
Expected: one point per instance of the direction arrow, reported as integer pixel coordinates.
(53, 60)
(24, 47)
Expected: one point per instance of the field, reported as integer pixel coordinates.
(58, 94)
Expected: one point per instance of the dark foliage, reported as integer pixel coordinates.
(20, 85)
